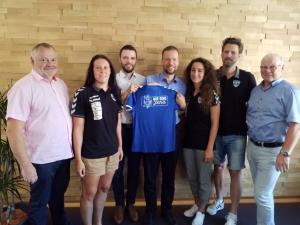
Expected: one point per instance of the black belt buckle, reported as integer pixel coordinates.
(266, 144)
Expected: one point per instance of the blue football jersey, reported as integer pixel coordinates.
(154, 119)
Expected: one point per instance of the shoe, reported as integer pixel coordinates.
(231, 219)
(119, 214)
(149, 219)
(169, 218)
(191, 212)
(199, 218)
(215, 207)
(132, 213)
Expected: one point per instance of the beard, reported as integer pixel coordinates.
(128, 68)
(48, 73)
(228, 63)
(169, 70)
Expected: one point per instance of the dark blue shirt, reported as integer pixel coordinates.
(176, 85)
(154, 119)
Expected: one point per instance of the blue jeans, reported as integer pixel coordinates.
(53, 181)
(264, 175)
(234, 146)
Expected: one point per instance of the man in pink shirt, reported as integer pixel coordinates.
(39, 132)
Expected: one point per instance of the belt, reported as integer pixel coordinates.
(127, 125)
(266, 144)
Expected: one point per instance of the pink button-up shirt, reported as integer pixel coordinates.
(44, 107)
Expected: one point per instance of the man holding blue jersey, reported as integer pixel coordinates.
(167, 79)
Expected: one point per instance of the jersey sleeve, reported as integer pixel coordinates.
(173, 96)
(130, 102)
(216, 100)
(252, 83)
(78, 108)
(119, 108)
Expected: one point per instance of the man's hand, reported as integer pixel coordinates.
(282, 163)
(180, 100)
(29, 174)
(133, 88)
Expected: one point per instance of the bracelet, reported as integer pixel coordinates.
(284, 152)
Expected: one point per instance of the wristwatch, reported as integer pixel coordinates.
(284, 152)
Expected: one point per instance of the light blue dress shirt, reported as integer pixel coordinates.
(270, 111)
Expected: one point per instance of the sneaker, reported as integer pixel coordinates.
(231, 219)
(215, 207)
(199, 218)
(191, 212)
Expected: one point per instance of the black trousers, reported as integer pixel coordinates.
(167, 161)
(134, 161)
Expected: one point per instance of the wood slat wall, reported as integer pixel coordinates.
(80, 29)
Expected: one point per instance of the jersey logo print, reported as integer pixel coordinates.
(154, 101)
(96, 107)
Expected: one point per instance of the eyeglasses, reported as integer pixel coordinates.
(272, 67)
(46, 60)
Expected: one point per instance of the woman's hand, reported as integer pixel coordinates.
(120, 152)
(208, 155)
(80, 168)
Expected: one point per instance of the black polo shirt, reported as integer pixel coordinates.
(235, 93)
(198, 123)
(100, 111)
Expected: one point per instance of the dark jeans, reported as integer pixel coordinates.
(134, 160)
(168, 168)
(52, 183)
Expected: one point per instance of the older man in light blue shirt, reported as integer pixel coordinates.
(273, 118)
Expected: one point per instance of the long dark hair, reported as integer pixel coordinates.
(208, 86)
(112, 83)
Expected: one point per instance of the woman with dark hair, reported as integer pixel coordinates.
(97, 138)
(202, 119)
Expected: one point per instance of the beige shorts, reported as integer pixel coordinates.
(101, 166)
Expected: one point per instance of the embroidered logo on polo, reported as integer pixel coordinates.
(236, 83)
(96, 107)
(113, 97)
(154, 101)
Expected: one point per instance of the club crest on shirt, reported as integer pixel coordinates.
(154, 101)
(199, 100)
(236, 83)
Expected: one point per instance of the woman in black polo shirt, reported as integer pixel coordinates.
(202, 119)
(96, 136)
